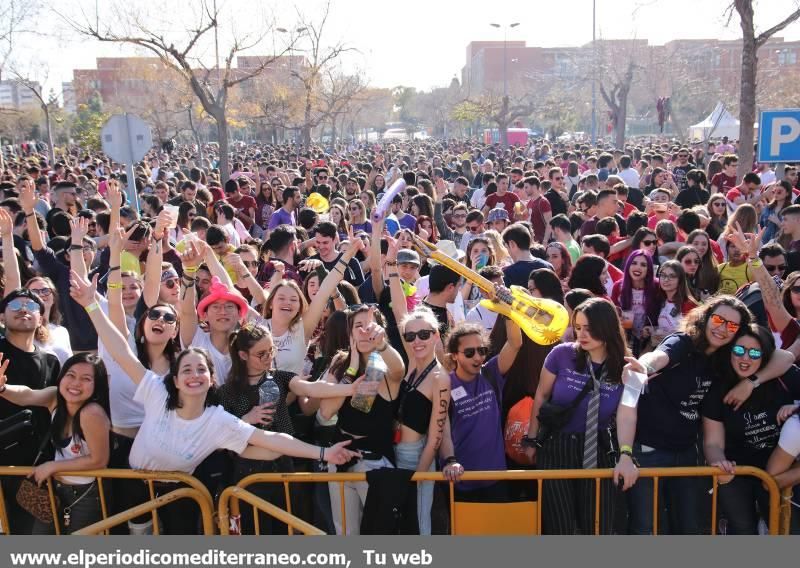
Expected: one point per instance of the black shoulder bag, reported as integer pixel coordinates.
(553, 417)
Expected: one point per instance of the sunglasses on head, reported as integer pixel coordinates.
(717, 320)
(423, 334)
(470, 352)
(19, 304)
(155, 315)
(740, 350)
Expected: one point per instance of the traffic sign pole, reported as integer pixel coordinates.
(133, 196)
(126, 138)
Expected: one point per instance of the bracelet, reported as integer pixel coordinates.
(31, 214)
(115, 285)
(191, 269)
(75, 247)
(351, 371)
(450, 460)
(113, 268)
(244, 276)
(322, 453)
(394, 275)
(625, 448)
(384, 348)
(91, 307)
(391, 263)
(755, 263)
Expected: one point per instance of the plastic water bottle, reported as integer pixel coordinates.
(368, 388)
(268, 392)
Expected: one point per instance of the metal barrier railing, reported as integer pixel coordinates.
(539, 476)
(778, 520)
(200, 492)
(229, 509)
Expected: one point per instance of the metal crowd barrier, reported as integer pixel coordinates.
(229, 503)
(194, 490)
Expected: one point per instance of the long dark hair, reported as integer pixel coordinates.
(342, 358)
(683, 292)
(604, 326)
(173, 402)
(243, 339)
(548, 284)
(651, 288)
(100, 396)
(767, 343)
(586, 274)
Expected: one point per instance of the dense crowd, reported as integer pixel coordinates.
(281, 319)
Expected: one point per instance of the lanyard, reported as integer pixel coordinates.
(413, 384)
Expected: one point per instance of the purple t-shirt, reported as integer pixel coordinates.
(475, 423)
(281, 217)
(561, 362)
(408, 222)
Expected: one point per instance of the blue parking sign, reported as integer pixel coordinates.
(779, 135)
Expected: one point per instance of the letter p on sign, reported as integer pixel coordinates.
(779, 136)
(785, 129)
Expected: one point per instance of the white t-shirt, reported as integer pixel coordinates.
(222, 361)
(290, 348)
(58, 344)
(483, 316)
(167, 442)
(478, 198)
(630, 177)
(789, 441)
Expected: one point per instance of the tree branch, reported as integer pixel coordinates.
(762, 38)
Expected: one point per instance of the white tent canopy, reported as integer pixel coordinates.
(717, 124)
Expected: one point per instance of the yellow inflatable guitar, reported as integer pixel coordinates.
(544, 321)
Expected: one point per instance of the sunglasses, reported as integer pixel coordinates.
(41, 292)
(475, 229)
(691, 261)
(171, 284)
(739, 351)
(718, 204)
(649, 242)
(470, 352)
(717, 320)
(18, 304)
(558, 178)
(795, 289)
(775, 267)
(423, 334)
(264, 354)
(155, 315)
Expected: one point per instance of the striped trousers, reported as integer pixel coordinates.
(568, 504)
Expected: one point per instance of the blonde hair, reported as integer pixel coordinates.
(500, 251)
(420, 313)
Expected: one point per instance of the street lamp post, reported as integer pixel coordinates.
(505, 54)
(594, 74)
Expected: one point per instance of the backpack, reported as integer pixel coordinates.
(750, 295)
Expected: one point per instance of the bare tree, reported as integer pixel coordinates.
(617, 101)
(47, 103)
(212, 91)
(319, 58)
(338, 92)
(15, 15)
(747, 97)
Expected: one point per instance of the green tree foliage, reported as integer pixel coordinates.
(88, 123)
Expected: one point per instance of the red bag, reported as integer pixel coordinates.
(519, 418)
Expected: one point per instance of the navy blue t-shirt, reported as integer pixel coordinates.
(519, 272)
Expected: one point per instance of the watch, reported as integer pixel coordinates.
(754, 380)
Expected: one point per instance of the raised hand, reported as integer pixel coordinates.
(118, 237)
(80, 228)
(6, 224)
(27, 196)
(81, 290)
(3, 368)
(194, 254)
(114, 194)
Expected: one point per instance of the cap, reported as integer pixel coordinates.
(499, 213)
(406, 256)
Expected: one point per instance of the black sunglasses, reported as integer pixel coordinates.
(775, 267)
(155, 315)
(423, 334)
(171, 284)
(469, 352)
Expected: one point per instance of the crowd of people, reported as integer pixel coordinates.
(281, 319)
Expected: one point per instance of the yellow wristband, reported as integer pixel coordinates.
(191, 269)
(115, 285)
(91, 307)
(755, 263)
(625, 448)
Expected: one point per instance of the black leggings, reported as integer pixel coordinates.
(270, 492)
(179, 517)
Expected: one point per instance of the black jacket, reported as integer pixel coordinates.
(391, 506)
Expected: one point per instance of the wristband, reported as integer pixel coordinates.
(351, 372)
(91, 307)
(112, 268)
(625, 448)
(191, 269)
(755, 263)
(391, 263)
(76, 247)
(394, 275)
(450, 460)
(115, 285)
(31, 214)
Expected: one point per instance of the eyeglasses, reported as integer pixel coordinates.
(470, 352)
(649, 242)
(775, 267)
(171, 284)
(264, 354)
(423, 334)
(155, 315)
(558, 178)
(718, 204)
(668, 276)
(717, 321)
(474, 229)
(752, 353)
(41, 292)
(18, 304)
(691, 261)
(683, 155)
(322, 178)
(459, 215)
(795, 289)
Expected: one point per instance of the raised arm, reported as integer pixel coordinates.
(116, 312)
(510, 350)
(327, 288)
(13, 280)
(85, 294)
(155, 258)
(22, 395)
(27, 200)
(375, 268)
(79, 228)
(191, 259)
(244, 276)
